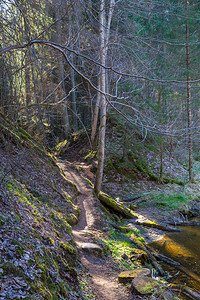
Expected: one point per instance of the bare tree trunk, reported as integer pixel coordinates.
(74, 97)
(99, 175)
(104, 38)
(161, 137)
(65, 115)
(73, 101)
(189, 109)
(96, 114)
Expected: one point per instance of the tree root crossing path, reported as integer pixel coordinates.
(103, 278)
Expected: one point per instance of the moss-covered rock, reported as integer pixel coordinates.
(128, 276)
(139, 255)
(144, 285)
(168, 295)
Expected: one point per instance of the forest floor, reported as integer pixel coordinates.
(36, 200)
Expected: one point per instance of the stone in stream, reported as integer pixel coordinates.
(91, 248)
(168, 295)
(128, 276)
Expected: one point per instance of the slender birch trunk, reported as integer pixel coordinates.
(99, 175)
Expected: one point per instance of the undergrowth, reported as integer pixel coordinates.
(167, 201)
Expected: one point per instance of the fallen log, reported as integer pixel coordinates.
(167, 260)
(116, 206)
(186, 291)
(191, 293)
(156, 225)
(176, 265)
(184, 223)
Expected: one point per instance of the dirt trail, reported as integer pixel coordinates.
(103, 277)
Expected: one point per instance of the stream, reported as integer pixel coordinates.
(183, 247)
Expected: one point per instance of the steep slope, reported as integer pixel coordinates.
(38, 257)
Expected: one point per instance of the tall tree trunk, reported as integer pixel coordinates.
(161, 137)
(106, 28)
(104, 38)
(73, 100)
(65, 115)
(74, 108)
(99, 175)
(189, 108)
(96, 114)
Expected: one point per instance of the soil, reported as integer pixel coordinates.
(103, 279)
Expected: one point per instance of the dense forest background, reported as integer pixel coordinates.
(135, 61)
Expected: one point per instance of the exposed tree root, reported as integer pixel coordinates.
(152, 259)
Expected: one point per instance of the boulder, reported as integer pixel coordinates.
(144, 285)
(91, 248)
(128, 276)
(168, 295)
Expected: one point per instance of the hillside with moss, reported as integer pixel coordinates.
(39, 258)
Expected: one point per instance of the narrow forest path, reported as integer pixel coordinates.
(103, 283)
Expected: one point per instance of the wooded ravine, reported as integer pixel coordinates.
(99, 147)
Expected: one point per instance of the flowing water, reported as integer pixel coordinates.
(183, 247)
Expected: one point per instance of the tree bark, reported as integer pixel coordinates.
(99, 175)
(73, 100)
(96, 114)
(116, 207)
(104, 38)
(189, 109)
(65, 115)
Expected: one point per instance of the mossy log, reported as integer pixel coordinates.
(117, 207)
(171, 180)
(158, 226)
(152, 259)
